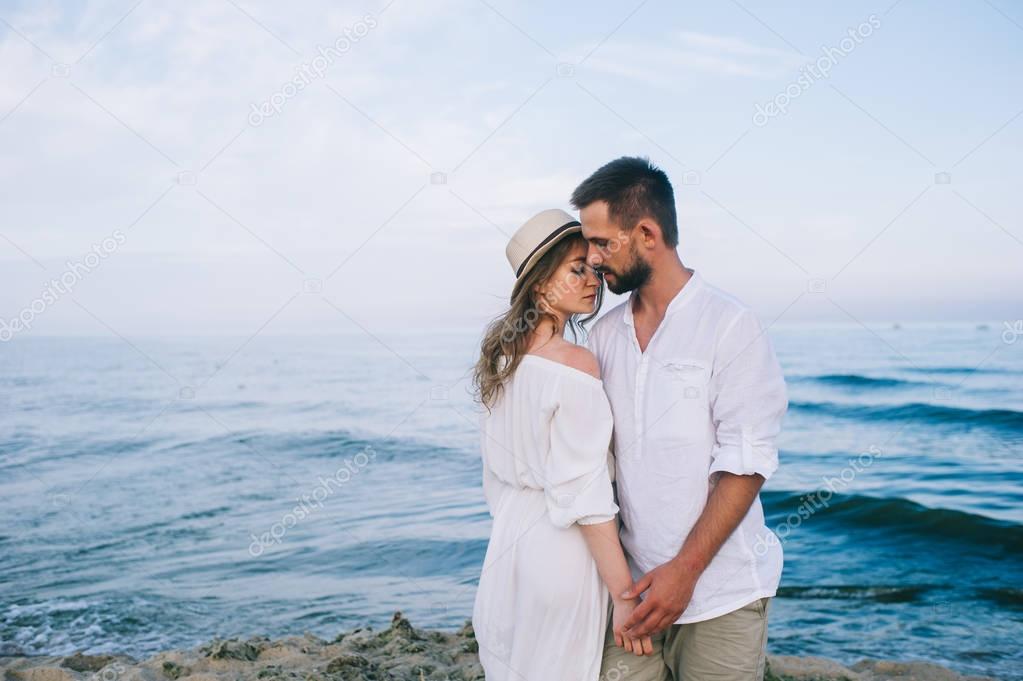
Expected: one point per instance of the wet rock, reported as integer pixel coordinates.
(786, 668)
(275, 672)
(44, 670)
(173, 670)
(354, 667)
(346, 662)
(402, 627)
(86, 663)
(231, 649)
(889, 670)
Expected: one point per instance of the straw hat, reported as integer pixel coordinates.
(537, 236)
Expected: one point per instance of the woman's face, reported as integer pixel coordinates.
(572, 289)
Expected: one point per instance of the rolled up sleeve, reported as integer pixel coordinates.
(748, 400)
(577, 485)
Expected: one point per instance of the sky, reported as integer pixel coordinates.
(233, 166)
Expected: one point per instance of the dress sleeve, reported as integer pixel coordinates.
(491, 489)
(748, 400)
(576, 480)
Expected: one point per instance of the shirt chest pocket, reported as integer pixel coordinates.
(682, 394)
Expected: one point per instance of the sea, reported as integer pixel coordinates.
(159, 492)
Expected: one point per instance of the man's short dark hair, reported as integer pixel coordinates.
(634, 188)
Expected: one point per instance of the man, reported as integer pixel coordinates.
(698, 399)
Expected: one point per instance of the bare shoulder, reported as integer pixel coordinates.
(574, 356)
(579, 357)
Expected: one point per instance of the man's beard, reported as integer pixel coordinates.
(632, 278)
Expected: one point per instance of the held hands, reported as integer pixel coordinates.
(622, 611)
(669, 588)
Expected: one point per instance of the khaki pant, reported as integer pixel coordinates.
(726, 648)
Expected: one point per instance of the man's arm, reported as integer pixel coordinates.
(671, 584)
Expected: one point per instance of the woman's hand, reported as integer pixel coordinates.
(620, 613)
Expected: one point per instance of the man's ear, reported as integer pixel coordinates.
(649, 233)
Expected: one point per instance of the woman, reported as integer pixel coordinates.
(541, 607)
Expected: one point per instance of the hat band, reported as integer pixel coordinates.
(550, 237)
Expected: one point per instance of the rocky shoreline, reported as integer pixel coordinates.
(398, 653)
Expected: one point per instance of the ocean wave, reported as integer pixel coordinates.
(878, 594)
(331, 444)
(96, 625)
(958, 371)
(937, 414)
(859, 381)
(25, 451)
(1004, 596)
(900, 518)
(403, 557)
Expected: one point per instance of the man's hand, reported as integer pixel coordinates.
(669, 588)
(620, 613)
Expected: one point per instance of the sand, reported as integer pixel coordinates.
(398, 653)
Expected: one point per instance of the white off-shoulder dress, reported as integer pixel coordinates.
(541, 608)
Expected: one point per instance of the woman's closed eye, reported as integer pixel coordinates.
(584, 268)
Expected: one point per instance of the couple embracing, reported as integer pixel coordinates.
(623, 476)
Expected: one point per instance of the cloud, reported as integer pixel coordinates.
(662, 62)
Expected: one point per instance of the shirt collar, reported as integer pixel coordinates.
(684, 295)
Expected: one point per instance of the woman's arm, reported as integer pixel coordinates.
(602, 540)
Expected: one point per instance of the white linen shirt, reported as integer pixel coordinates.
(707, 395)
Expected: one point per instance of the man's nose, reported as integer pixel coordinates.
(593, 257)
